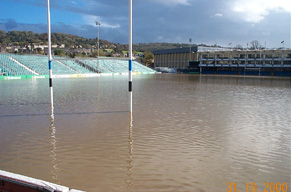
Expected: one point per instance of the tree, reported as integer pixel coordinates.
(2, 36)
(117, 49)
(95, 53)
(239, 46)
(39, 50)
(255, 44)
(59, 52)
(148, 58)
(72, 55)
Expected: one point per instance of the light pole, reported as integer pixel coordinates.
(190, 41)
(98, 24)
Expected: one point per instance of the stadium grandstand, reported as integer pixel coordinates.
(21, 65)
(213, 60)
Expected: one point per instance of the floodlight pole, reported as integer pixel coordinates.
(130, 57)
(98, 25)
(190, 41)
(50, 58)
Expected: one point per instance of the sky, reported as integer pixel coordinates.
(221, 22)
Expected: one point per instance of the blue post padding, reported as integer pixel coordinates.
(50, 65)
(130, 65)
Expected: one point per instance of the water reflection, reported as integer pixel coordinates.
(55, 170)
(130, 179)
(67, 113)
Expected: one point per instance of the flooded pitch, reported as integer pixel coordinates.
(189, 132)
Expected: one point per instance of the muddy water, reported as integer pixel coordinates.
(188, 132)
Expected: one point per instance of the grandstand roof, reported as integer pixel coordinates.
(177, 50)
(196, 48)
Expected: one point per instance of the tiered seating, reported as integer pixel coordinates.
(94, 64)
(12, 67)
(32, 63)
(3, 70)
(60, 69)
(120, 66)
(141, 68)
(115, 66)
(40, 65)
(76, 66)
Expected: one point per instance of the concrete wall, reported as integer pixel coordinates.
(175, 60)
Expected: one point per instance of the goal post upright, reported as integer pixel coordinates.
(130, 57)
(50, 59)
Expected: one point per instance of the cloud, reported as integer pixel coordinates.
(92, 19)
(256, 10)
(160, 38)
(218, 15)
(10, 24)
(173, 2)
(236, 21)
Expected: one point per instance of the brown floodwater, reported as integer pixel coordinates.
(188, 132)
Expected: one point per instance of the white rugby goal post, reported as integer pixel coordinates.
(129, 58)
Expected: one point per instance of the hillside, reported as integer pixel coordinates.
(24, 38)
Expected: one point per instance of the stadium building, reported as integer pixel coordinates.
(213, 60)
